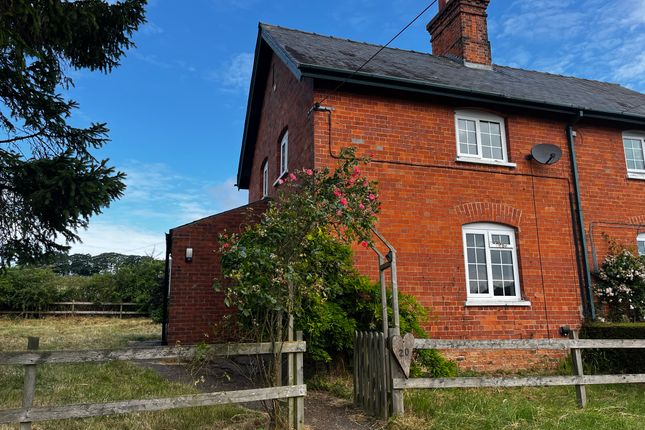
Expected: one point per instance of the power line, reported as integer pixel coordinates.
(351, 75)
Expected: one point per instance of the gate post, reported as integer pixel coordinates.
(395, 373)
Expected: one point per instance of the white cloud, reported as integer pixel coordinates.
(235, 74)
(150, 29)
(595, 39)
(103, 237)
(156, 200)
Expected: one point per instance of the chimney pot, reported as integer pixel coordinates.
(460, 30)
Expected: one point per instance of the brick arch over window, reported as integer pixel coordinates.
(487, 212)
(638, 219)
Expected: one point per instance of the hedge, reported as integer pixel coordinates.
(614, 360)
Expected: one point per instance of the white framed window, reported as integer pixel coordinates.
(284, 154)
(490, 255)
(634, 146)
(265, 179)
(481, 138)
(640, 240)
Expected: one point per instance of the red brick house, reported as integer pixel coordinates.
(487, 238)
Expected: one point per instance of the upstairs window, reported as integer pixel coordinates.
(481, 138)
(284, 154)
(641, 244)
(265, 179)
(634, 144)
(491, 263)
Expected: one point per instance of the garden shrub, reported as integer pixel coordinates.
(28, 289)
(353, 302)
(620, 286)
(614, 360)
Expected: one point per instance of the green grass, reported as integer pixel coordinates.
(104, 382)
(610, 407)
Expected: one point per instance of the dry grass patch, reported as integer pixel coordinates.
(104, 382)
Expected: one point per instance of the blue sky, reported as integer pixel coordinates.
(176, 105)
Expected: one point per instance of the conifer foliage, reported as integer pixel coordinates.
(50, 183)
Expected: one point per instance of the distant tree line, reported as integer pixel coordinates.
(108, 277)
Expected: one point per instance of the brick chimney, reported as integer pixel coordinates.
(460, 31)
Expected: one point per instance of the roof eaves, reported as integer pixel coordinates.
(241, 180)
(364, 78)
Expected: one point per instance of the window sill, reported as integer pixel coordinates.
(504, 303)
(462, 159)
(282, 176)
(636, 175)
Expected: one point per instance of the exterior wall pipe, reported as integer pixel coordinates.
(591, 309)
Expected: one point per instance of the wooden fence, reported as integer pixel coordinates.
(575, 345)
(32, 358)
(85, 308)
(371, 373)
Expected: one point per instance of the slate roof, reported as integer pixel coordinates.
(331, 58)
(308, 50)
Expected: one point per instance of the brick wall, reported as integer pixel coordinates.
(286, 103)
(194, 308)
(427, 197)
(460, 30)
(611, 200)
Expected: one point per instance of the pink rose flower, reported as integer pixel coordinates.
(372, 196)
(292, 176)
(280, 181)
(364, 244)
(362, 206)
(337, 193)
(343, 201)
(309, 172)
(357, 171)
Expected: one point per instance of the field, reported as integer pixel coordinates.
(101, 382)
(610, 407)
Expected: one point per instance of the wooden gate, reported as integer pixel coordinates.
(371, 373)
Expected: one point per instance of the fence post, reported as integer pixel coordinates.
(576, 360)
(395, 373)
(299, 417)
(29, 387)
(291, 375)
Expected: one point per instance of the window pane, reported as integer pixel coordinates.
(476, 256)
(474, 287)
(467, 137)
(470, 240)
(498, 288)
(491, 140)
(641, 247)
(634, 154)
(495, 257)
(509, 288)
(506, 257)
(479, 240)
(483, 287)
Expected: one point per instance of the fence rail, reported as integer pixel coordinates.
(575, 345)
(84, 308)
(32, 358)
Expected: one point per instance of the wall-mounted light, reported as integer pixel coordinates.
(565, 330)
(189, 255)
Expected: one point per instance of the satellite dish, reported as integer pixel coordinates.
(546, 153)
